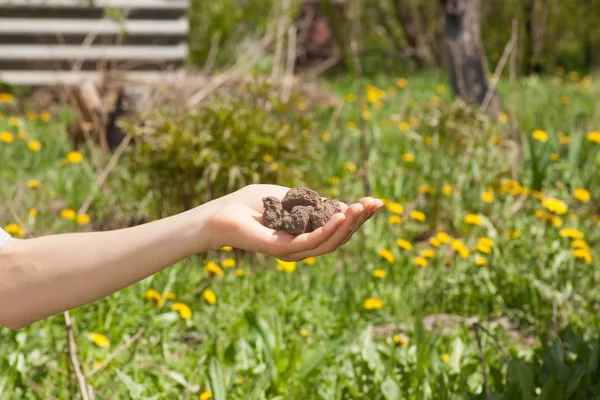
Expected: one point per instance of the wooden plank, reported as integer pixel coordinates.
(42, 78)
(9, 52)
(34, 27)
(128, 4)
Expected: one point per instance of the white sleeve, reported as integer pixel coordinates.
(4, 237)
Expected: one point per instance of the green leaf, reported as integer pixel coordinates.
(458, 349)
(369, 351)
(521, 378)
(217, 383)
(265, 333)
(135, 389)
(390, 389)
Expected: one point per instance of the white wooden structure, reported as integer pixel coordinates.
(48, 42)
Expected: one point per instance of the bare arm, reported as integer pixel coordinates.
(43, 276)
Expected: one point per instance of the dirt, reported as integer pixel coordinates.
(301, 210)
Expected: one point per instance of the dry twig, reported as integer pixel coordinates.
(81, 379)
(482, 357)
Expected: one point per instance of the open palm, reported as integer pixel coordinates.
(239, 221)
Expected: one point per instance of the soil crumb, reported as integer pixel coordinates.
(301, 210)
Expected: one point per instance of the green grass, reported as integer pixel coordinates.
(306, 334)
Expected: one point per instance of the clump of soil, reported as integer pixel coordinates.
(300, 211)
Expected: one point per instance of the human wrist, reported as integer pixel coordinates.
(204, 229)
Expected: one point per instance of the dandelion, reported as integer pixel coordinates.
(229, 263)
(428, 253)
(399, 340)
(326, 137)
(460, 248)
(404, 126)
(583, 255)
(267, 158)
(286, 266)
(582, 195)
(206, 395)
(212, 270)
(32, 116)
(99, 339)
(183, 309)
(417, 215)
(373, 303)
(404, 244)
(226, 248)
(6, 137)
(484, 245)
(374, 94)
(425, 189)
(379, 273)
(574, 75)
(22, 134)
(274, 166)
(447, 189)
(487, 196)
(402, 83)
(564, 139)
(564, 100)
(480, 261)
(6, 98)
(350, 97)
(349, 166)
(14, 229)
(428, 140)
(445, 358)
(502, 117)
(334, 180)
(440, 89)
(395, 208)
(45, 116)
(68, 214)
(82, 219)
(170, 296)
(155, 297)
(366, 115)
(473, 219)
(394, 220)
(435, 242)
(420, 262)
(33, 184)
(435, 100)
(33, 212)
(554, 205)
(408, 157)
(415, 122)
(309, 261)
(540, 135)
(386, 255)
(34, 145)
(304, 333)
(571, 233)
(443, 237)
(580, 244)
(74, 157)
(593, 137)
(555, 157)
(239, 273)
(209, 296)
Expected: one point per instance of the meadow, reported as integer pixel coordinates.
(484, 256)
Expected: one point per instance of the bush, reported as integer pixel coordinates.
(238, 138)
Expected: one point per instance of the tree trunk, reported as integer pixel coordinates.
(464, 51)
(415, 32)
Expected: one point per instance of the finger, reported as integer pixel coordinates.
(371, 207)
(330, 245)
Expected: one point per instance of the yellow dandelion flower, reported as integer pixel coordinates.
(540, 135)
(495, 139)
(267, 158)
(417, 215)
(374, 94)
(304, 333)
(564, 100)
(379, 273)
(286, 266)
(502, 117)
(436, 100)
(425, 189)
(34, 145)
(155, 297)
(447, 189)
(212, 270)
(554, 205)
(564, 139)
(68, 214)
(309, 261)
(240, 272)
(487, 196)
(366, 115)
(480, 261)
(83, 219)
(404, 126)
(579, 244)
(582, 195)
(428, 140)
(435, 242)
(169, 295)
(274, 166)
(350, 97)
(460, 248)
(395, 208)
(515, 234)
(31, 115)
(571, 233)
(351, 126)
(443, 237)
(445, 358)
(402, 83)
(74, 157)
(229, 263)
(326, 137)
(6, 137)
(583, 255)
(394, 220)
(440, 89)
(373, 303)
(428, 253)
(334, 180)
(226, 248)
(404, 244)
(473, 219)
(33, 212)
(184, 311)
(13, 121)
(574, 75)
(45, 116)
(555, 157)
(593, 137)
(209, 296)
(399, 340)
(33, 184)
(349, 166)
(386, 255)
(14, 229)
(99, 339)
(206, 395)
(557, 222)
(420, 262)
(407, 157)
(6, 98)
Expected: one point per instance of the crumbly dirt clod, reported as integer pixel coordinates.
(300, 211)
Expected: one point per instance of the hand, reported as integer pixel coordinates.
(238, 223)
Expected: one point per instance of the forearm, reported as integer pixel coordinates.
(46, 275)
